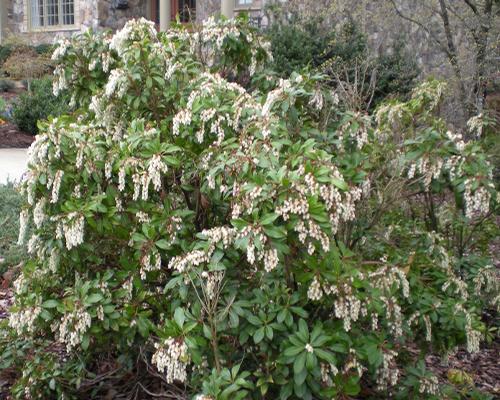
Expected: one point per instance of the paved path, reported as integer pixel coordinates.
(12, 164)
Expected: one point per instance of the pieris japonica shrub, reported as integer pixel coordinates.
(201, 230)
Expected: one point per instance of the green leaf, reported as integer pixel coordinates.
(85, 342)
(268, 218)
(275, 232)
(300, 378)
(94, 298)
(293, 351)
(269, 332)
(374, 356)
(303, 330)
(179, 317)
(258, 335)
(143, 326)
(282, 315)
(311, 361)
(340, 184)
(254, 320)
(325, 355)
(299, 363)
(162, 244)
(299, 311)
(50, 303)
(207, 332)
(286, 391)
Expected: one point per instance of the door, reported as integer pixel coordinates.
(154, 11)
(186, 9)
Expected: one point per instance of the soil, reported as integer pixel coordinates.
(483, 367)
(10, 136)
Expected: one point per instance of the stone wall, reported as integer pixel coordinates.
(96, 14)
(207, 8)
(112, 18)
(19, 25)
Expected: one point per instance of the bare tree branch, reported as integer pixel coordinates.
(421, 25)
(472, 6)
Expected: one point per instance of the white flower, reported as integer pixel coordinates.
(56, 185)
(117, 83)
(24, 320)
(23, 226)
(171, 358)
(74, 230)
(270, 260)
(73, 327)
(315, 292)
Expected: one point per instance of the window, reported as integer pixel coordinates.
(244, 3)
(52, 13)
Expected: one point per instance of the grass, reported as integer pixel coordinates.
(10, 205)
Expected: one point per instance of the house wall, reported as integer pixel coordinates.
(88, 14)
(207, 8)
(111, 18)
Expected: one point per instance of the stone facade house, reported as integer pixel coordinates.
(40, 21)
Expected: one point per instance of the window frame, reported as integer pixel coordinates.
(245, 4)
(60, 17)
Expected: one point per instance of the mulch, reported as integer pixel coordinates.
(10, 135)
(483, 367)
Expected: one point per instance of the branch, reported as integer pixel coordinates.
(472, 6)
(447, 30)
(422, 26)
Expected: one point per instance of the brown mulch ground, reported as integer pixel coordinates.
(483, 367)
(11, 137)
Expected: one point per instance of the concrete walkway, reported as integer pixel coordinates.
(12, 164)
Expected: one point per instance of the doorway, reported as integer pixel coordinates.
(186, 9)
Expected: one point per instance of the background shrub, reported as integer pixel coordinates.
(24, 62)
(341, 52)
(10, 206)
(44, 49)
(5, 51)
(397, 74)
(6, 85)
(36, 104)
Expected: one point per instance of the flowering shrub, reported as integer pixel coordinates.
(202, 231)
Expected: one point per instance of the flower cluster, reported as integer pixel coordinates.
(73, 327)
(24, 320)
(171, 358)
(477, 202)
(429, 385)
(388, 372)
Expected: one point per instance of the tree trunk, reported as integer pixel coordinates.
(481, 41)
(452, 55)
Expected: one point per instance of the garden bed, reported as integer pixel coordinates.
(11, 137)
(482, 367)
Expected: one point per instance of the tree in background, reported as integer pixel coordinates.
(477, 22)
(339, 49)
(456, 40)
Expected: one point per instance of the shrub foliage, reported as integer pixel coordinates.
(36, 104)
(203, 231)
